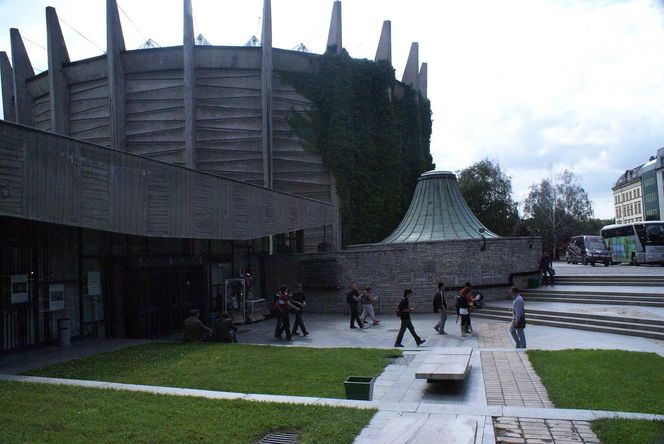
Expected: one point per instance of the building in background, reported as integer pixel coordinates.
(628, 197)
(136, 185)
(638, 194)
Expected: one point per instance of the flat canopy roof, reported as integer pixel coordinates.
(56, 179)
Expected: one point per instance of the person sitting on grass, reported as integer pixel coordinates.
(194, 329)
(223, 329)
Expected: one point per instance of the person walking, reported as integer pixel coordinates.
(403, 311)
(353, 301)
(440, 307)
(298, 300)
(518, 319)
(283, 321)
(367, 299)
(463, 309)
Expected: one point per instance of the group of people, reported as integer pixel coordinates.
(285, 302)
(366, 300)
(223, 329)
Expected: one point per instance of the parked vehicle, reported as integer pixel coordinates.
(588, 250)
(636, 243)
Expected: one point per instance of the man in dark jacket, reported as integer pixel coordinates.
(223, 329)
(546, 268)
(353, 301)
(298, 299)
(440, 307)
(404, 309)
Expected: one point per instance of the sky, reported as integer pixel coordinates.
(536, 85)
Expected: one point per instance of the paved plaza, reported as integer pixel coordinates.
(501, 400)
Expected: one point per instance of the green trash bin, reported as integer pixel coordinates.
(359, 387)
(533, 282)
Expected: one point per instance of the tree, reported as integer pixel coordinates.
(557, 206)
(488, 193)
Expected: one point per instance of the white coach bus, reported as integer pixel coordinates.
(636, 243)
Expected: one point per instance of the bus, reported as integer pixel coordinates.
(636, 243)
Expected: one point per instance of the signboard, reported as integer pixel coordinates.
(94, 283)
(56, 297)
(19, 288)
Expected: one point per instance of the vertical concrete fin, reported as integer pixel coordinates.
(266, 93)
(334, 41)
(115, 45)
(189, 66)
(7, 79)
(423, 80)
(57, 81)
(411, 73)
(22, 72)
(384, 51)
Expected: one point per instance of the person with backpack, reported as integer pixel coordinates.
(353, 301)
(440, 307)
(403, 311)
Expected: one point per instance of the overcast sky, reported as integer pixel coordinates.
(536, 85)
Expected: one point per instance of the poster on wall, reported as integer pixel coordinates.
(56, 297)
(19, 288)
(94, 283)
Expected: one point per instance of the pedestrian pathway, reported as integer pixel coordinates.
(510, 379)
(482, 410)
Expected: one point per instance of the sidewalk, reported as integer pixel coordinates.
(500, 384)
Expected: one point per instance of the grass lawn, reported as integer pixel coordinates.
(49, 413)
(628, 431)
(245, 368)
(602, 379)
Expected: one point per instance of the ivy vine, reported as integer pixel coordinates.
(372, 132)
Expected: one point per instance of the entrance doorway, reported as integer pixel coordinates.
(158, 299)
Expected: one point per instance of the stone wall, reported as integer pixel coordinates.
(390, 268)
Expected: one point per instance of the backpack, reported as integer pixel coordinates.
(349, 297)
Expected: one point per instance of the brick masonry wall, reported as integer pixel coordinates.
(389, 269)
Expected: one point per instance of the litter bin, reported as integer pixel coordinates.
(533, 282)
(64, 334)
(359, 387)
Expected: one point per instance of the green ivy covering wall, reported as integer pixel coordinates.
(372, 132)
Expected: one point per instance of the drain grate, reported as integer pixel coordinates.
(278, 438)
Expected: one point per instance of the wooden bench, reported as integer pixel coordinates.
(451, 364)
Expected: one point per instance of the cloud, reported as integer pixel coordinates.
(533, 84)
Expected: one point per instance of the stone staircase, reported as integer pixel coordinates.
(594, 297)
(600, 290)
(647, 328)
(620, 280)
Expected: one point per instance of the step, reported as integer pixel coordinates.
(647, 321)
(591, 294)
(576, 326)
(656, 326)
(571, 300)
(645, 281)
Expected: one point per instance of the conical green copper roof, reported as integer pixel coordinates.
(438, 212)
